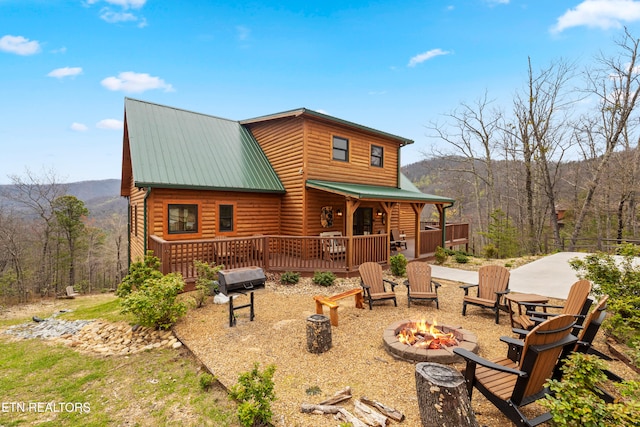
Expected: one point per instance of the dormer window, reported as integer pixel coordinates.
(340, 149)
(377, 156)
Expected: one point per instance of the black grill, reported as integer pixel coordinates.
(241, 279)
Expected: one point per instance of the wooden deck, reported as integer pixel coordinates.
(304, 254)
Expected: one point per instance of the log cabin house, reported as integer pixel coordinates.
(293, 191)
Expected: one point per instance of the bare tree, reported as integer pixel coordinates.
(38, 194)
(616, 86)
(470, 134)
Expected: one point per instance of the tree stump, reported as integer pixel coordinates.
(318, 333)
(442, 396)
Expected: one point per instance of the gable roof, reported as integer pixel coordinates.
(327, 118)
(174, 148)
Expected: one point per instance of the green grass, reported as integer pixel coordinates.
(159, 387)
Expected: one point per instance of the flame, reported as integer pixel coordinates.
(424, 335)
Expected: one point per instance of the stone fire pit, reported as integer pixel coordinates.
(465, 339)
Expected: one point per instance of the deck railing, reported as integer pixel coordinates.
(339, 254)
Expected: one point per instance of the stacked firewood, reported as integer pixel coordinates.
(367, 412)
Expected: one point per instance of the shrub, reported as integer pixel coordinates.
(490, 251)
(323, 278)
(398, 265)
(139, 272)
(206, 381)
(576, 399)
(154, 303)
(461, 258)
(206, 282)
(440, 255)
(254, 394)
(619, 278)
(289, 278)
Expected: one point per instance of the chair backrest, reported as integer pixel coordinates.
(593, 321)
(578, 295)
(371, 274)
(542, 348)
(70, 291)
(419, 275)
(492, 279)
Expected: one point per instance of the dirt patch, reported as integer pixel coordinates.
(357, 358)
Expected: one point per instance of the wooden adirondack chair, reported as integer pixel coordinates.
(419, 284)
(397, 241)
(493, 285)
(373, 284)
(511, 385)
(577, 304)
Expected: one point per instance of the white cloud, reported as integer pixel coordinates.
(111, 124)
(243, 32)
(125, 4)
(19, 45)
(602, 14)
(65, 72)
(321, 111)
(495, 2)
(112, 17)
(79, 127)
(420, 58)
(129, 81)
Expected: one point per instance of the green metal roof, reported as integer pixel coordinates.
(362, 191)
(176, 148)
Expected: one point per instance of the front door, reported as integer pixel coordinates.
(363, 221)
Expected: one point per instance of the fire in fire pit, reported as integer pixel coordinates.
(423, 335)
(418, 341)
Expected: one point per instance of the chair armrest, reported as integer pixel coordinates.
(467, 287)
(436, 284)
(406, 283)
(542, 305)
(472, 357)
(393, 284)
(520, 332)
(506, 291)
(512, 341)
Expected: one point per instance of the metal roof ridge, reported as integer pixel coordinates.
(126, 98)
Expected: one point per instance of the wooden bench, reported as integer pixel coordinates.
(333, 305)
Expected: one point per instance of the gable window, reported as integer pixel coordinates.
(340, 149)
(377, 155)
(225, 218)
(183, 218)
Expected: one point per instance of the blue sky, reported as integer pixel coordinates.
(66, 66)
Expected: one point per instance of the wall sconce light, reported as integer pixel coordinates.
(379, 212)
(339, 212)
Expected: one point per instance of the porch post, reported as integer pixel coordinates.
(351, 206)
(443, 224)
(417, 209)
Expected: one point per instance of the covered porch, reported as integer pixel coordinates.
(304, 254)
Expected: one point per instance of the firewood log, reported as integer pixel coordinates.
(392, 413)
(369, 415)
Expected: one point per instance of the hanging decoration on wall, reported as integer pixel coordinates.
(384, 218)
(326, 216)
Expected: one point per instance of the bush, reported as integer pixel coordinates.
(254, 394)
(440, 255)
(289, 278)
(140, 272)
(154, 303)
(461, 258)
(620, 279)
(206, 282)
(490, 251)
(576, 399)
(398, 265)
(323, 278)
(206, 381)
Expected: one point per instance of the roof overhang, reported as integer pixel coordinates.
(376, 192)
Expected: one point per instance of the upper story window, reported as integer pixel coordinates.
(377, 156)
(340, 149)
(183, 218)
(225, 218)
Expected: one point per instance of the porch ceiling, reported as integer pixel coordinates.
(375, 192)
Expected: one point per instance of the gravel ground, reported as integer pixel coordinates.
(357, 358)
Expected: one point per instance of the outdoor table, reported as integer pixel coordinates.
(523, 300)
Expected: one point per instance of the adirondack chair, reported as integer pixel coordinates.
(585, 333)
(70, 292)
(512, 385)
(577, 303)
(492, 286)
(373, 284)
(419, 284)
(333, 248)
